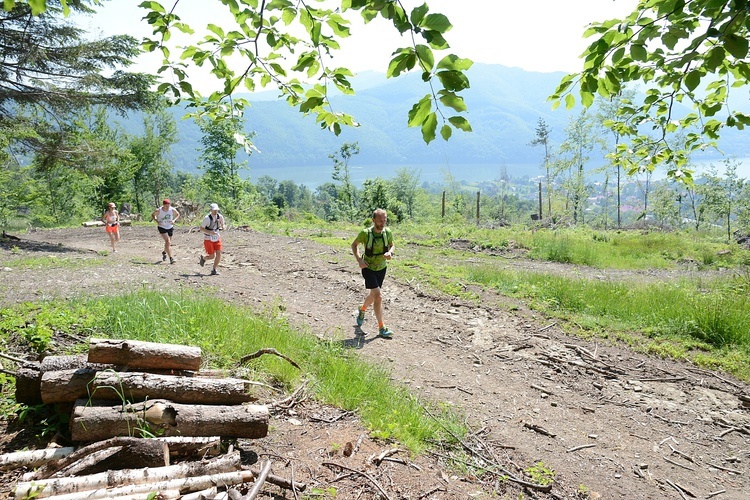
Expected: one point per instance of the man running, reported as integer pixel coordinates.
(379, 249)
(210, 227)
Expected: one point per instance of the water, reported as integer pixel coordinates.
(313, 176)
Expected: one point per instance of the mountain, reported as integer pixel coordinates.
(504, 106)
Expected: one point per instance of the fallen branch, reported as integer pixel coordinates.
(33, 458)
(260, 479)
(576, 448)
(387, 453)
(683, 455)
(509, 475)
(539, 429)
(287, 484)
(542, 389)
(363, 474)
(17, 360)
(726, 469)
(268, 350)
(678, 464)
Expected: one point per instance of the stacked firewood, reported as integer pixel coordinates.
(123, 391)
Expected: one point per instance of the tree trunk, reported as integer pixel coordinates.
(93, 421)
(149, 477)
(70, 385)
(139, 355)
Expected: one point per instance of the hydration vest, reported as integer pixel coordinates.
(386, 234)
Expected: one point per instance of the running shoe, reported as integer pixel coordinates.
(385, 332)
(360, 317)
(201, 261)
(164, 256)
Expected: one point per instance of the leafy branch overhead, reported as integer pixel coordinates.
(284, 43)
(289, 45)
(688, 52)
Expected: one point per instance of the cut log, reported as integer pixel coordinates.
(29, 378)
(68, 385)
(144, 355)
(114, 479)
(181, 484)
(97, 420)
(33, 458)
(28, 382)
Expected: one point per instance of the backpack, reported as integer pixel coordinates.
(387, 240)
(211, 221)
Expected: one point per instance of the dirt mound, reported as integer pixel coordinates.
(607, 421)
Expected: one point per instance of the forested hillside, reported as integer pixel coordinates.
(504, 104)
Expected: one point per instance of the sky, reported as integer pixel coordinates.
(535, 35)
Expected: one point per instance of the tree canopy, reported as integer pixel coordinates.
(689, 52)
(48, 68)
(288, 44)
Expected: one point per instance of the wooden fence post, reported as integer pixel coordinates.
(477, 208)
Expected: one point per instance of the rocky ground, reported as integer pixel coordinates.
(609, 422)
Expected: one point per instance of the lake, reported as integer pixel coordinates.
(313, 176)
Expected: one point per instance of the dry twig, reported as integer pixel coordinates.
(268, 350)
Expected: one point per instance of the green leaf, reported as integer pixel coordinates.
(570, 101)
(736, 45)
(401, 63)
(435, 40)
(418, 13)
(216, 29)
(429, 126)
(453, 80)
(693, 79)
(452, 101)
(446, 132)
(638, 52)
(426, 58)
(714, 58)
(419, 112)
(453, 62)
(435, 22)
(460, 123)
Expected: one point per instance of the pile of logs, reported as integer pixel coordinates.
(122, 392)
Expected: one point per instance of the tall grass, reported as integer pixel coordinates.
(709, 317)
(226, 333)
(583, 246)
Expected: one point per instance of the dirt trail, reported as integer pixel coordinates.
(611, 423)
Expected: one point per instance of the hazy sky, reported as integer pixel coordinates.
(536, 35)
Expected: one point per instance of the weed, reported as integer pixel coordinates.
(541, 473)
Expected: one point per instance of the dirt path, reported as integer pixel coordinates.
(608, 421)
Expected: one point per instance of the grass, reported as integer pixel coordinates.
(708, 323)
(49, 261)
(225, 333)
